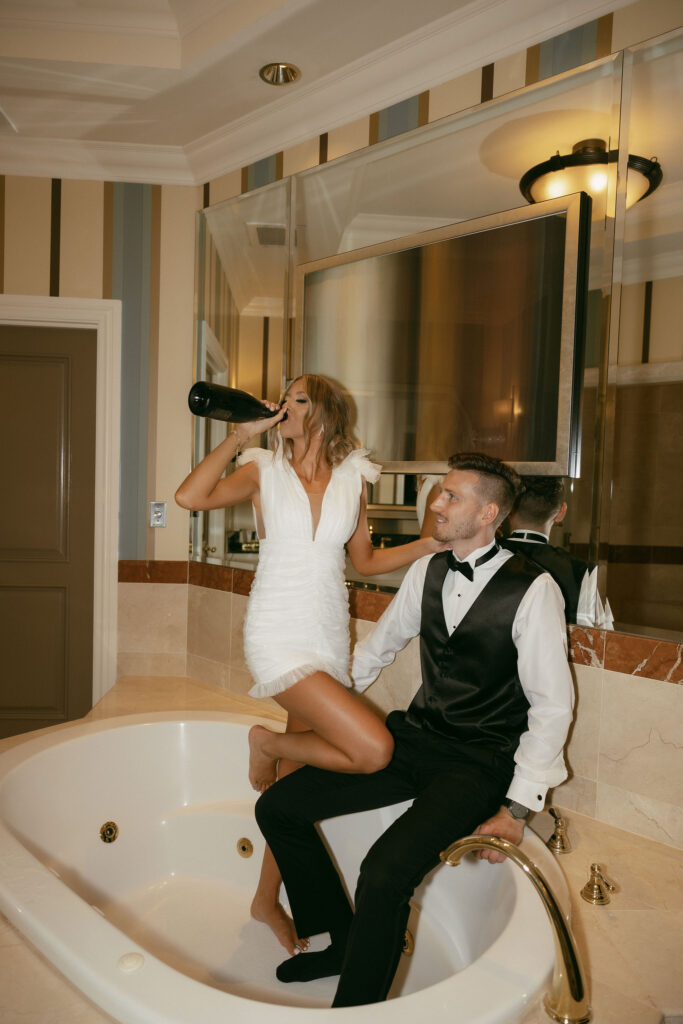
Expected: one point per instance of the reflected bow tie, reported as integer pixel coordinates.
(464, 567)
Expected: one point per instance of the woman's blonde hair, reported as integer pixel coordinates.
(330, 410)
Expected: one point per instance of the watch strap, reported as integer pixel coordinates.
(516, 809)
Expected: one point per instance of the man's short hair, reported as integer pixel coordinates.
(497, 482)
(540, 499)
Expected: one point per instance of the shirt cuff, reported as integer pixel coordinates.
(531, 794)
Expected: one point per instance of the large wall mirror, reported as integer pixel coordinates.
(622, 490)
(468, 337)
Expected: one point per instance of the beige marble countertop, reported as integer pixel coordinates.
(631, 948)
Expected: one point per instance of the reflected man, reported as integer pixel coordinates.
(538, 508)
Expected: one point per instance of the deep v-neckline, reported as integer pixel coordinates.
(314, 526)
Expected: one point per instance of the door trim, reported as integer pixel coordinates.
(103, 316)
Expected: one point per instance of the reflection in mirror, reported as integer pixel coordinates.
(642, 529)
(464, 338)
(541, 506)
(242, 328)
(623, 507)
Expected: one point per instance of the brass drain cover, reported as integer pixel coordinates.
(408, 944)
(245, 847)
(109, 832)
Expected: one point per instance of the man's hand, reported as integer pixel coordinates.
(502, 824)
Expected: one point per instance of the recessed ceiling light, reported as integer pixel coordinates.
(280, 73)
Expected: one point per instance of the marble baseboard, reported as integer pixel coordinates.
(213, 673)
(147, 663)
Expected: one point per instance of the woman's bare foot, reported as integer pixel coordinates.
(262, 768)
(280, 923)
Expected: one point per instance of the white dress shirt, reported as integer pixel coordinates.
(539, 633)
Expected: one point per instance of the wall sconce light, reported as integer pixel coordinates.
(279, 73)
(586, 169)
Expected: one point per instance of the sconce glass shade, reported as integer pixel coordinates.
(279, 73)
(588, 169)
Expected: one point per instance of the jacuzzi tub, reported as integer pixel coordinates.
(154, 926)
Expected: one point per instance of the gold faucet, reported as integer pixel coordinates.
(566, 1002)
(597, 888)
(559, 841)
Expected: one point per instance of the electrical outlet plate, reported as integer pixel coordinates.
(157, 513)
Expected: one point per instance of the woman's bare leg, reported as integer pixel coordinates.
(342, 734)
(266, 906)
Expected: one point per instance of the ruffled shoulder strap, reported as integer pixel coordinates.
(261, 456)
(357, 461)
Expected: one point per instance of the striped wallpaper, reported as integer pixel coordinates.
(136, 242)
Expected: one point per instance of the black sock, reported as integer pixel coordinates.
(309, 966)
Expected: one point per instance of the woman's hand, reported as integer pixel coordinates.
(245, 431)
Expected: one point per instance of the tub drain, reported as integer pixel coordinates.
(109, 832)
(408, 944)
(245, 847)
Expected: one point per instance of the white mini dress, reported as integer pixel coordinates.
(297, 619)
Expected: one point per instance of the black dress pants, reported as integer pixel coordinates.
(455, 788)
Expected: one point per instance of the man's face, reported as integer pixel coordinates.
(460, 512)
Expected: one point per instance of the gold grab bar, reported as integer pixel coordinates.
(566, 1002)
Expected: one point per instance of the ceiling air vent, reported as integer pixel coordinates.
(267, 234)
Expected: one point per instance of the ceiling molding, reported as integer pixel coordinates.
(447, 48)
(80, 18)
(95, 161)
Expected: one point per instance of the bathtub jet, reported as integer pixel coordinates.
(154, 925)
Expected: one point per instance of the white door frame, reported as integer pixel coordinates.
(103, 316)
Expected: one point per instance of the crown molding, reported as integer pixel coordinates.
(470, 38)
(448, 48)
(84, 159)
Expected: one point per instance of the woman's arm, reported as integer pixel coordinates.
(370, 561)
(430, 517)
(206, 487)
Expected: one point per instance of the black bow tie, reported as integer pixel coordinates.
(539, 538)
(464, 567)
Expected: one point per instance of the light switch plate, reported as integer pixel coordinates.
(157, 513)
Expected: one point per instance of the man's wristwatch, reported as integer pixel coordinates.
(518, 811)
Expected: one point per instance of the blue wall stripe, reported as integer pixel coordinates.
(568, 51)
(131, 279)
(399, 118)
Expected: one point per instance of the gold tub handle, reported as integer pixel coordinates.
(566, 1002)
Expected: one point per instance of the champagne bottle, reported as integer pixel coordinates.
(222, 403)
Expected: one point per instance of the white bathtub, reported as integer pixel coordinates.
(154, 927)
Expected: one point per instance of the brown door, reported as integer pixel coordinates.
(47, 510)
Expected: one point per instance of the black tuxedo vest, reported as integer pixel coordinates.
(567, 570)
(470, 688)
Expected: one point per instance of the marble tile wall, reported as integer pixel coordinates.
(152, 629)
(624, 750)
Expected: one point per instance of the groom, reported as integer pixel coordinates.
(477, 749)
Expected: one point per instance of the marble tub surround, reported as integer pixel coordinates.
(632, 655)
(624, 751)
(625, 755)
(630, 947)
(152, 629)
(135, 695)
